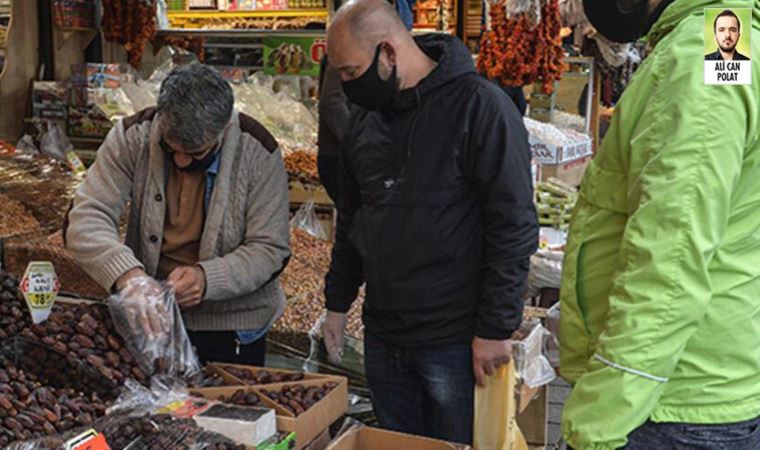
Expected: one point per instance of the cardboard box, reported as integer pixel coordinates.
(367, 438)
(245, 425)
(232, 380)
(570, 173)
(306, 426)
(545, 153)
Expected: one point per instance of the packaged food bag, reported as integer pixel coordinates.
(495, 427)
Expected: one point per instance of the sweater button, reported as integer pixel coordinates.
(159, 197)
(154, 239)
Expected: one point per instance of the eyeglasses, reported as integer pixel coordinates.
(195, 155)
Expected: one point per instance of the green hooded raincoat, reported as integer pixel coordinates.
(661, 288)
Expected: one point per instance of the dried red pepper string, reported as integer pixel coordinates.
(518, 54)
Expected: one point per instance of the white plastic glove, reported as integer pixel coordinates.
(333, 330)
(144, 306)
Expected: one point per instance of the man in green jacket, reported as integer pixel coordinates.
(660, 331)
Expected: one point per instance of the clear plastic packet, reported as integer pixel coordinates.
(533, 368)
(55, 143)
(552, 344)
(26, 145)
(148, 318)
(306, 219)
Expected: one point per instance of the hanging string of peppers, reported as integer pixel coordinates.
(130, 23)
(517, 51)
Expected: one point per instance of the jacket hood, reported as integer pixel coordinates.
(681, 9)
(453, 58)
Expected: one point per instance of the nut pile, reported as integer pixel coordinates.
(299, 398)
(15, 219)
(303, 283)
(302, 166)
(29, 410)
(73, 278)
(262, 376)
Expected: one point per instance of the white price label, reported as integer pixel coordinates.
(40, 287)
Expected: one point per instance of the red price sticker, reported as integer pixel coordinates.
(89, 440)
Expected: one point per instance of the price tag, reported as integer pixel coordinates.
(89, 440)
(75, 163)
(40, 286)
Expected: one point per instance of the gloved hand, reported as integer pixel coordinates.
(333, 329)
(144, 306)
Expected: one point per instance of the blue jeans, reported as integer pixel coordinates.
(683, 436)
(427, 392)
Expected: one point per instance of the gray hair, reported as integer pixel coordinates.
(194, 105)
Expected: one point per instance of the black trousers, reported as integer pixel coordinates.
(224, 347)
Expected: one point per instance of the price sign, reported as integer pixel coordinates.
(40, 286)
(89, 440)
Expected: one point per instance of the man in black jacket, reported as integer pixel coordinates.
(436, 215)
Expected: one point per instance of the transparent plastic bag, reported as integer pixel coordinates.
(552, 344)
(533, 368)
(495, 427)
(147, 317)
(55, 143)
(531, 8)
(26, 145)
(306, 219)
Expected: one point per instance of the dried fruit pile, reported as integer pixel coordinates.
(29, 410)
(131, 23)
(302, 166)
(242, 398)
(298, 398)
(517, 52)
(82, 331)
(262, 376)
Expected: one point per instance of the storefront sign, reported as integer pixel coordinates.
(293, 55)
(40, 286)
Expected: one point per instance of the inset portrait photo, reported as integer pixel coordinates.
(727, 46)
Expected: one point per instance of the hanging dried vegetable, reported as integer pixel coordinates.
(130, 23)
(516, 51)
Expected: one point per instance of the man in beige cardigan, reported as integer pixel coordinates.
(209, 214)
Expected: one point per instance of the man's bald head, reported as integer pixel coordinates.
(368, 22)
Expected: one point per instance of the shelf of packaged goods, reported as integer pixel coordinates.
(196, 15)
(242, 33)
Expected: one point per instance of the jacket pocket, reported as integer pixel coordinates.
(605, 189)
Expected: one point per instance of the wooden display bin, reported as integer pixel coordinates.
(220, 368)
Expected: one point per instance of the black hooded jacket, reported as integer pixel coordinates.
(436, 211)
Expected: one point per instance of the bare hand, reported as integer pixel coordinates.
(189, 284)
(487, 356)
(333, 329)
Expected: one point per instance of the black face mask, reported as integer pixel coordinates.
(369, 90)
(622, 20)
(197, 165)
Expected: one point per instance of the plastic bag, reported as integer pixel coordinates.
(306, 219)
(55, 143)
(532, 365)
(531, 8)
(495, 412)
(545, 271)
(552, 344)
(147, 317)
(26, 145)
